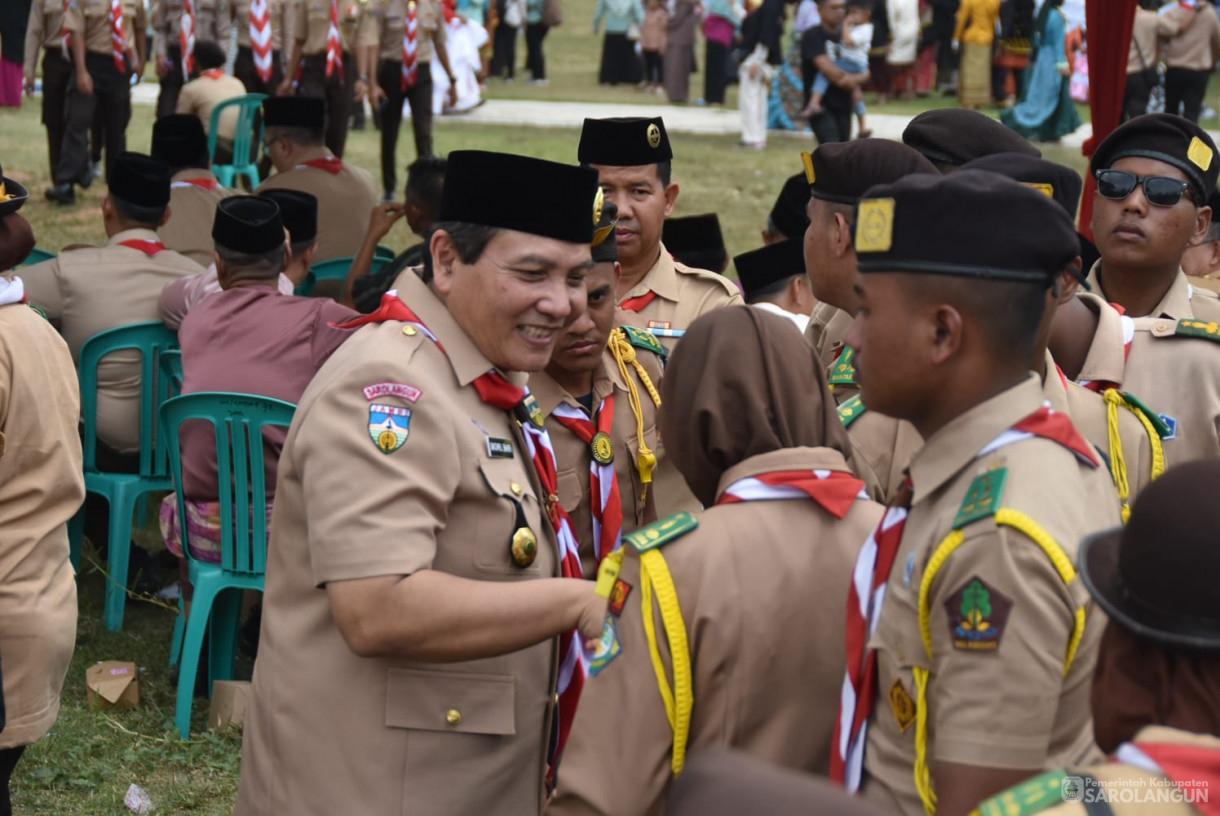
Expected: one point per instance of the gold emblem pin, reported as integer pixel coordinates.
(1200, 154)
(602, 447)
(534, 412)
(524, 547)
(807, 160)
(599, 203)
(1047, 190)
(875, 225)
(654, 136)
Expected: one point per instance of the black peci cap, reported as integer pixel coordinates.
(249, 224)
(12, 195)
(959, 135)
(140, 180)
(179, 141)
(961, 224)
(789, 214)
(624, 142)
(771, 264)
(696, 241)
(842, 171)
(298, 211)
(1171, 139)
(550, 199)
(295, 111)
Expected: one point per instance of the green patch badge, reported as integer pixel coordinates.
(983, 497)
(1159, 425)
(1208, 330)
(608, 648)
(661, 532)
(533, 411)
(1031, 796)
(978, 614)
(389, 426)
(644, 340)
(851, 410)
(844, 372)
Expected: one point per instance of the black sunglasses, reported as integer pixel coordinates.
(1159, 190)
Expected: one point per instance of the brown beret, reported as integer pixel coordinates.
(842, 171)
(959, 135)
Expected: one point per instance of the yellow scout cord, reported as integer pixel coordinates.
(1118, 464)
(1067, 573)
(624, 355)
(681, 698)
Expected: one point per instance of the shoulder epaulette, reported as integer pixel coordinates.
(660, 533)
(644, 340)
(851, 410)
(1035, 795)
(1206, 329)
(844, 370)
(982, 498)
(1162, 429)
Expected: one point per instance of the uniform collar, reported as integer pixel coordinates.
(550, 394)
(801, 321)
(662, 278)
(467, 360)
(1175, 304)
(139, 234)
(1106, 360)
(188, 173)
(1054, 389)
(956, 445)
(783, 459)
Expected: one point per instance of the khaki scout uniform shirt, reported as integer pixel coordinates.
(42, 30)
(1177, 376)
(827, 326)
(312, 22)
(345, 200)
(201, 95)
(212, 23)
(1182, 300)
(1149, 33)
(191, 213)
(765, 619)
(1198, 47)
(92, 289)
(683, 294)
(332, 733)
(1009, 707)
(390, 18)
(572, 456)
(92, 17)
(283, 14)
(42, 485)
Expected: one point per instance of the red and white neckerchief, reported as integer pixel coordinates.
(496, 390)
(149, 248)
(874, 565)
(118, 38)
(1128, 325)
(330, 164)
(835, 490)
(334, 45)
(1194, 769)
(202, 183)
(410, 65)
(606, 501)
(64, 34)
(260, 38)
(213, 73)
(186, 38)
(637, 303)
(12, 290)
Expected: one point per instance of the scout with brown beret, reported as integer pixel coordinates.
(950, 137)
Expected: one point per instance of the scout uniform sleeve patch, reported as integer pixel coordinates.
(1200, 154)
(391, 389)
(1035, 795)
(902, 705)
(851, 410)
(389, 426)
(618, 597)
(844, 372)
(662, 532)
(644, 340)
(982, 499)
(1162, 429)
(1198, 328)
(608, 648)
(875, 225)
(978, 613)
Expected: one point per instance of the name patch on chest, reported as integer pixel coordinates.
(499, 448)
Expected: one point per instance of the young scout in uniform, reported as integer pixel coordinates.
(1158, 667)
(212, 22)
(633, 160)
(209, 87)
(752, 640)
(345, 193)
(951, 137)
(263, 27)
(601, 395)
(407, 660)
(410, 33)
(45, 33)
(107, 48)
(42, 485)
(179, 141)
(92, 289)
(970, 641)
(773, 279)
(327, 67)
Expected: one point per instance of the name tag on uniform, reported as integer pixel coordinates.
(499, 448)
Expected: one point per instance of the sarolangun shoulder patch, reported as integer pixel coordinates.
(1198, 328)
(982, 498)
(389, 426)
(645, 340)
(1032, 796)
(1162, 428)
(851, 410)
(978, 613)
(662, 532)
(844, 372)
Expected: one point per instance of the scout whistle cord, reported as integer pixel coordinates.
(624, 354)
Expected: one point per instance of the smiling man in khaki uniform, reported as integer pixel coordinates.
(407, 661)
(981, 656)
(634, 163)
(179, 141)
(213, 23)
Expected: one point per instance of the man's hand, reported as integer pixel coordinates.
(139, 71)
(377, 95)
(382, 219)
(592, 616)
(359, 90)
(1064, 70)
(29, 86)
(84, 83)
(452, 93)
(285, 87)
(163, 68)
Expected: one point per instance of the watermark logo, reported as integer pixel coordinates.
(1072, 789)
(1139, 790)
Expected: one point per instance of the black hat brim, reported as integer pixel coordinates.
(19, 196)
(1098, 566)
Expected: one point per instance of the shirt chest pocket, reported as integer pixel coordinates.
(511, 506)
(94, 10)
(451, 701)
(318, 13)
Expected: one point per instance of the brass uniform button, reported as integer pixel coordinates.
(516, 488)
(409, 331)
(524, 547)
(453, 717)
(1163, 327)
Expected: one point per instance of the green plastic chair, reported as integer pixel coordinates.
(123, 490)
(245, 150)
(171, 367)
(384, 251)
(37, 256)
(238, 421)
(335, 269)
